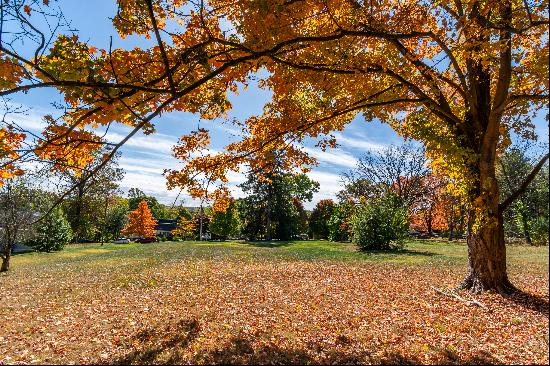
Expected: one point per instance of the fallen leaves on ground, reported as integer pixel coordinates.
(254, 309)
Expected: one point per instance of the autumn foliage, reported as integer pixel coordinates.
(428, 213)
(10, 140)
(142, 222)
(318, 303)
(459, 76)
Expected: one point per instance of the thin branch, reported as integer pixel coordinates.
(504, 205)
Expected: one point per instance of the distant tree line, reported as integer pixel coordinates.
(391, 194)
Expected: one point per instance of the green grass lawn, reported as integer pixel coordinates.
(136, 256)
(258, 302)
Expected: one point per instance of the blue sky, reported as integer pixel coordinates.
(145, 157)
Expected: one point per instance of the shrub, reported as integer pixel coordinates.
(339, 224)
(225, 224)
(380, 224)
(319, 219)
(539, 228)
(52, 233)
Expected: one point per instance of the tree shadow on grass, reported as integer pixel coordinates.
(530, 301)
(160, 344)
(445, 357)
(168, 345)
(268, 244)
(403, 252)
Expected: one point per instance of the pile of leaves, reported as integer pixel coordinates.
(241, 306)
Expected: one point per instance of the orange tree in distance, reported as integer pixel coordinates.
(428, 212)
(142, 223)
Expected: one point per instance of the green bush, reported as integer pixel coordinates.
(51, 233)
(539, 228)
(339, 224)
(380, 224)
(225, 224)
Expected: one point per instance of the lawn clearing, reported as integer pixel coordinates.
(296, 302)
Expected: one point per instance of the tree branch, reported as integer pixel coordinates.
(504, 205)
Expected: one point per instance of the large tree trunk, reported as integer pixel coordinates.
(486, 247)
(487, 260)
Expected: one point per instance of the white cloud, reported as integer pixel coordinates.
(356, 143)
(336, 157)
(31, 119)
(330, 184)
(144, 159)
(158, 143)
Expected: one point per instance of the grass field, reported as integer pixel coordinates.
(288, 302)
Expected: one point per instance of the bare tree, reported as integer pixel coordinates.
(397, 168)
(17, 213)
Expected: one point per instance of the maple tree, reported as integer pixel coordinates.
(428, 213)
(185, 228)
(141, 222)
(460, 76)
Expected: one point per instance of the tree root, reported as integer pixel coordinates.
(476, 286)
(467, 302)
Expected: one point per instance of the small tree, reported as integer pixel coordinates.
(17, 211)
(141, 222)
(117, 218)
(51, 233)
(380, 224)
(428, 212)
(319, 219)
(225, 223)
(397, 169)
(339, 224)
(185, 229)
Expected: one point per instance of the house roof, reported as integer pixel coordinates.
(166, 225)
(21, 248)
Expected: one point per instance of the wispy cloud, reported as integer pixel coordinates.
(357, 143)
(330, 184)
(155, 142)
(336, 157)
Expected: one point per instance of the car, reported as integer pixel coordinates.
(121, 241)
(145, 240)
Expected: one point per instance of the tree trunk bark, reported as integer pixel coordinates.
(486, 247)
(461, 220)
(268, 219)
(6, 259)
(200, 224)
(104, 228)
(451, 222)
(78, 214)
